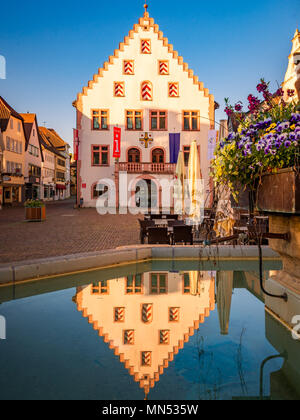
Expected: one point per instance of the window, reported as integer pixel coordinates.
(134, 155)
(34, 171)
(163, 67)
(61, 162)
(33, 132)
(8, 143)
(60, 176)
(158, 156)
(134, 284)
(191, 120)
(11, 124)
(34, 151)
(100, 288)
(186, 154)
(100, 119)
(158, 120)
(134, 120)
(186, 284)
(128, 338)
(100, 155)
(99, 190)
(13, 168)
(158, 283)
(19, 127)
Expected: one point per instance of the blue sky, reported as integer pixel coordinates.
(53, 48)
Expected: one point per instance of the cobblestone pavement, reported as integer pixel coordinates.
(66, 231)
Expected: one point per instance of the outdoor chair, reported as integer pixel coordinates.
(183, 234)
(158, 235)
(155, 216)
(144, 224)
(172, 223)
(172, 216)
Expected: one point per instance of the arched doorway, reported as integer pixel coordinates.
(158, 156)
(146, 194)
(134, 155)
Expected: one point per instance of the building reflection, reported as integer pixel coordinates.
(147, 318)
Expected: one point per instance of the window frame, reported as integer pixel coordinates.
(158, 292)
(134, 119)
(100, 155)
(158, 116)
(100, 288)
(184, 146)
(133, 292)
(127, 61)
(163, 61)
(164, 154)
(191, 120)
(99, 111)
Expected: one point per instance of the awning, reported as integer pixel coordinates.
(60, 187)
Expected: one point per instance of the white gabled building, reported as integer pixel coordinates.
(292, 75)
(148, 91)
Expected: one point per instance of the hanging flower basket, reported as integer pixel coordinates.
(280, 192)
(35, 211)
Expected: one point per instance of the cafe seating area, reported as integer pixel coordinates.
(172, 229)
(165, 229)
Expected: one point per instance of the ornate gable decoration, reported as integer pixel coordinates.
(174, 90)
(119, 89)
(145, 46)
(145, 23)
(128, 67)
(146, 91)
(163, 67)
(147, 313)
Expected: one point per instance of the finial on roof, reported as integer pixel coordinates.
(146, 14)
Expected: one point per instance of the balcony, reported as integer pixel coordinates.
(143, 168)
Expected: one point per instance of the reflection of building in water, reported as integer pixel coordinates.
(285, 383)
(147, 318)
(224, 295)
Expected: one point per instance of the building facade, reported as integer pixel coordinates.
(292, 76)
(55, 166)
(149, 92)
(13, 158)
(48, 170)
(33, 159)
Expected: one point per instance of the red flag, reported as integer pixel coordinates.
(117, 142)
(76, 144)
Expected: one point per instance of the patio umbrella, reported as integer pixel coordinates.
(194, 283)
(195, 185)
(179, 185)
(224, 295)
(225, 216)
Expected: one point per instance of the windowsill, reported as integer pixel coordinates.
(131, 129)
(100, 129)
(161, 129)
(193, 131)
(97, 166)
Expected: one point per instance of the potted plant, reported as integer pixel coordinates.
(35, 210)
(262, 155)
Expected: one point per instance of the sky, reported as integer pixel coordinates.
(53, 48)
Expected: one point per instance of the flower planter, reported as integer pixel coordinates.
(280, 192)
(35, 214)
